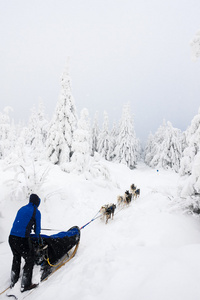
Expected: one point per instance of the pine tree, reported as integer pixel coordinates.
(195, 176)
(164, 149)
(104, 137)
(190, 162)
(149, 149)
(113, 141)
(192, 137)
(95, 134)
(126, 150)
(172, 148)
(195, 45)
(37, 132)
(157, 146)
(7, 133)
(82, 143)
(60, 138)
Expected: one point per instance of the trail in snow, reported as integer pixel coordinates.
(149, 251)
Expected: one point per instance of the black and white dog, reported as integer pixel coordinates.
(137, 193)
(127, 197)
(133, 188)
(108, 211)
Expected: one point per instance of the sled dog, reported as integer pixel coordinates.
(107, 211)
(137, 193)
(110, 212)
(133, 188)
(127, 197)
(120, 200)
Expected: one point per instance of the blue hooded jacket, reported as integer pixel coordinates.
(28, 217)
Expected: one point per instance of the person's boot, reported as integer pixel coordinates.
(28, 288)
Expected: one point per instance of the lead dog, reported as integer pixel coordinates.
(133, 188)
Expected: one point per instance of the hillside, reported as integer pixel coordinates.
(150, 251)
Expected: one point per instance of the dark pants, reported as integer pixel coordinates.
(21, 247)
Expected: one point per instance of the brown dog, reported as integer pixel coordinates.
(120, 200)
(103, 211)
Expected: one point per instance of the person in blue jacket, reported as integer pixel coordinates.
(28, 217)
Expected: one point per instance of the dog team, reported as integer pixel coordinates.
(107, 211)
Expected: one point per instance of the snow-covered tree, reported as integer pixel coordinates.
(192, 136)
(190, 162)
(82, 143)
(127, 145)
(149, 151)
(195, 45)
(164, 149)
(7, 133)
(95, 134)
(172, 148)
(44, 123)
(113, 141)
(154, 147)
(37, 132)
(195, 177)
(191, 186)
(29, 177)
(60, 138)
(104, 137)
(82, 161)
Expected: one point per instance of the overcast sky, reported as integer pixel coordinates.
(120, 51)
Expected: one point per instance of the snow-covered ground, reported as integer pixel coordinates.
(149, 251)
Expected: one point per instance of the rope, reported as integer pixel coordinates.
(4, 290)
(53, 265)
(89, 222)
(94, 218)
(96, 214)
(48, 229)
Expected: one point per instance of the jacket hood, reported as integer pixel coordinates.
(34, 199)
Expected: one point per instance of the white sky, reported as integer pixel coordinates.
(120, 51)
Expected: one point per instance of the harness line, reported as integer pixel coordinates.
(90, 222)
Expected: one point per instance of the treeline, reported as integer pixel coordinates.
(69, 140)
(75, 143)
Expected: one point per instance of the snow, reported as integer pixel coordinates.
(149, 251)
